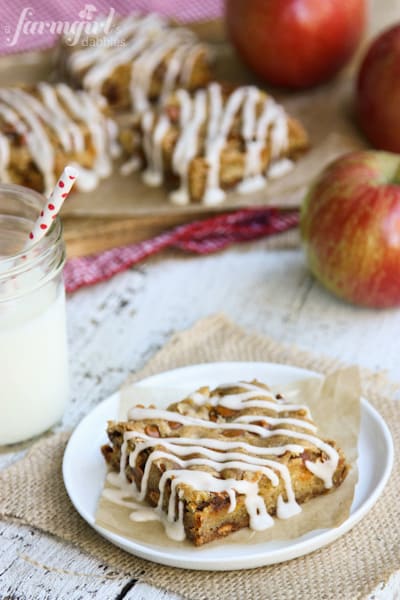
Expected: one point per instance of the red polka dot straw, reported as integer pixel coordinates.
(53, 205)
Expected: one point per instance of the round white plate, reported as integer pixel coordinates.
(84, 471)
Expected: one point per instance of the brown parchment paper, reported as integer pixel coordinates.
(334, 402)
(325, 111)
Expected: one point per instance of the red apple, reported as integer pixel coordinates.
(378, 91)
(350, 225)
(295, 43)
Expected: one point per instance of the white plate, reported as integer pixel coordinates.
(84, 472)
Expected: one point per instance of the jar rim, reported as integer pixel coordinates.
(39, 251)
(38, 200)
(49, 250)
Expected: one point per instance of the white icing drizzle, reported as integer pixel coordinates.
(174, 43)
(46, 111)
(90, 57)
(71, 136)
(214, 146)
(130, 166)
(215, 109)
(154, 171)
(59, 109)
(98, 125)
(272, 421)
(185, 105)
(203, 481)
(115, 148)
(198, 462)
(4, 158)
(119, 494)
(263, 126)
(113, 58)
(272, 119)
(104, 131)
(249, 113)
(324, 471)
(147, 122)
(279, 133)
(178, 62)
(217, 444)
(118, 498)
(219, 461)
(145, 41)
(280, 167)
(241, 400)
(36, 136)
(252, 180)
(187, 145)
(12, 117)
(189, 63)
(254, 133)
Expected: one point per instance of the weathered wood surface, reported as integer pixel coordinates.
(116, 327)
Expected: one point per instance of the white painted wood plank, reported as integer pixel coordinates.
(115, 327)
(21, 578)
(142, 591)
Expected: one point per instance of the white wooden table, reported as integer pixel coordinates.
(116, 327)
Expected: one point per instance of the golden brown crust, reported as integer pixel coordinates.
(233, 157)
(22, 168)
(116, 86)
(233, 160)
(206, 514)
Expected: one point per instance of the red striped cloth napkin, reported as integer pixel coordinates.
(199, 237)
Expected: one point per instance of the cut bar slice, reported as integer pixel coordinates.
(45, 127)
(141, 59)
(213, 140)
(222, 460)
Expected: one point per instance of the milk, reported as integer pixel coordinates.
(33, 361)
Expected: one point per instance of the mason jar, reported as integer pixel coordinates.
(33, 341)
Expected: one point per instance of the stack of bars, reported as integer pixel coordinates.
(220, 460)
(145, 89)
(184, 130)
(45, 127)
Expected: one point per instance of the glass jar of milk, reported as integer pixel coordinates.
(33, 344)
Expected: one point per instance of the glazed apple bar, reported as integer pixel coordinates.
(45, 127)
(142, 59)
(221, 460)
(215, 139)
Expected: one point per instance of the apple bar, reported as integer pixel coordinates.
(140, 60)
(213, 140)
(43, 128)
(220, 460)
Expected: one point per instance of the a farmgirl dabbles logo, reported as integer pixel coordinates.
(88, 23)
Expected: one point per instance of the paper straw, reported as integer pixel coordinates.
(52, 206)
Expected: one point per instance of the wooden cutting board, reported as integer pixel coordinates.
(88, 235)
